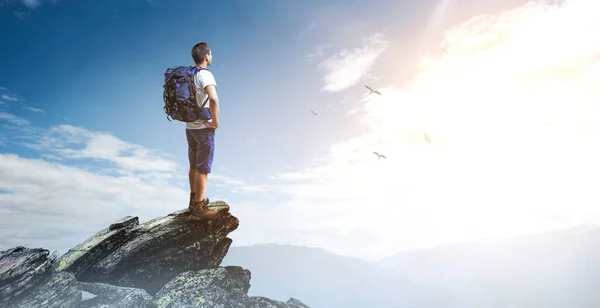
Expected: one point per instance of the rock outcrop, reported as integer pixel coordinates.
(170, 261)
(220, 287)
(27, 279)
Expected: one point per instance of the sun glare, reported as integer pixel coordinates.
(493, 126)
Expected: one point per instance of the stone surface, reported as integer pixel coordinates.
(61, 290)
(162, 248)
(171, 261)
(78, 259)
(106, 295)
(27, 279)
(219, 287)
(223, 287)
(264, 302)
(21, 269)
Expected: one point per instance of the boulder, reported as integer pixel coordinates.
(28, 279)
(148, 255)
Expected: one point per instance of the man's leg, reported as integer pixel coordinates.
(204, 156)
(200, 188)
(192, 176)
(192, 145)
(204, 159)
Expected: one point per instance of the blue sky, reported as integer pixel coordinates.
(85, 141)
(100, 65)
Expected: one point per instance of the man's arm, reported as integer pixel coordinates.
(213, 101)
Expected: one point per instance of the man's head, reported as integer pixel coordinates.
(201, 54)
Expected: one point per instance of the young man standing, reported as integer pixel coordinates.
(201, 133)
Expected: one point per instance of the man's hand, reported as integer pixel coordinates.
(213, 103)
(212, 124)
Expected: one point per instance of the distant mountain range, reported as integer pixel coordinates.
(549, 270)
(320, 278)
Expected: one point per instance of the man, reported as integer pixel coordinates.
(201, 133)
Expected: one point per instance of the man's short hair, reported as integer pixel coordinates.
(199, 51)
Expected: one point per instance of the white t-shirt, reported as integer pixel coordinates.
(203, 79)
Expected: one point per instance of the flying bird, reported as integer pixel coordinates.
(314, 113)
(379, 155)
(371, 90)
(427, 137)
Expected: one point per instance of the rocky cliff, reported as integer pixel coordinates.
(171, 261)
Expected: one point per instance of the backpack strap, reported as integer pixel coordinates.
(195, 71)
(203, 104)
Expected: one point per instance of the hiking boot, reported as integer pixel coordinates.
(206, 213)
(198, 205)
(200, 209)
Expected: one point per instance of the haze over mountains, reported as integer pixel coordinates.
(551, 270)
(321, 278)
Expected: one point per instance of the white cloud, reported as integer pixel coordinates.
(56, 206)
(319, 50)
(9, 98)
(5, 98)
(34, 109)
(22, 14)
(347, 67)
(237, 185)
(66, 141)
(13, 119)
(494, 167)
(227, 180)
(80, 146)
(371, 77)
(32, 4)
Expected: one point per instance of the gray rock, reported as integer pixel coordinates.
(295, 303)
(223, 287)
(27, 279)
(106, 295)
(162, 248)
(175, 258)
(219, 288)
(126, 223)
(53, 257)
(22, 269)
(60, 291)
(81, 257)
(264, 302)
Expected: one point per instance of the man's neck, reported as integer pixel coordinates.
(203, 65)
